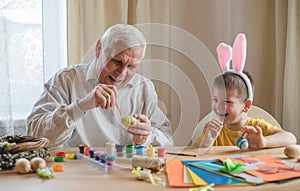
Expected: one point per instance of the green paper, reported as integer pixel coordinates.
(230, 166)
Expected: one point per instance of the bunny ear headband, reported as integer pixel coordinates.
(238, 56)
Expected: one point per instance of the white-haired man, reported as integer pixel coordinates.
(77, 105)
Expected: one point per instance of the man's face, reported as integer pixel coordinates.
(121, 68)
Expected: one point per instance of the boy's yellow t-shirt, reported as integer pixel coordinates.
(227, 137)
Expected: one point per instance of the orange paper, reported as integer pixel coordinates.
(174, 171)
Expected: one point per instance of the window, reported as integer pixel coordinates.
(32, 48)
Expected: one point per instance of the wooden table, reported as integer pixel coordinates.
(83, 175)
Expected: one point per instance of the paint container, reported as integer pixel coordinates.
(161, 152)
(140, 150)
(102, 157)
(110, 163)
(120, 150)
(129, 151)
(86, 150)
(150, 151)
(110, 148)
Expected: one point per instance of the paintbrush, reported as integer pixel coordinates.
(118, 108)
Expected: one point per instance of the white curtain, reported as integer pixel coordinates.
(87, 21)
(5, 95)
(32, 48)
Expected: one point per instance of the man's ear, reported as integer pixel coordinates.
(247, 105)
(98, 48)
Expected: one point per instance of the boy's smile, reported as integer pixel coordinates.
(228, 107)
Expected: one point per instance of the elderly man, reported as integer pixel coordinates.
(78, 105)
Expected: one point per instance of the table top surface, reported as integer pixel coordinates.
(85, 175)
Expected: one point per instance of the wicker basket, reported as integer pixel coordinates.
(15, 147)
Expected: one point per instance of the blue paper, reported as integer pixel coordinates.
(211, 165)
(211, 177)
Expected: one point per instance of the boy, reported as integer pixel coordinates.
(230, 103)
(232, 99)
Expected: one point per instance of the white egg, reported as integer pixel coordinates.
(37, 162)
(292, 151)
(23, 166)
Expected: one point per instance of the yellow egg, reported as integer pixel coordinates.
(127, 120)
(292, 151)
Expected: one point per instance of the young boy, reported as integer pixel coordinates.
(230, 103)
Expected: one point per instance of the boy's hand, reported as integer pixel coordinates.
(255, 137)
(211, 131)
(213, 128)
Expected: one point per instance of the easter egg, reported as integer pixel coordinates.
(37, 162)
(127, 120)
(23, 166)
(241, 143)
(292, 151)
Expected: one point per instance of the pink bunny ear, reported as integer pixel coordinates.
(239, 52)
(224, 56)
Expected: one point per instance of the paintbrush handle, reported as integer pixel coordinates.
(118, 108)
(181, 154)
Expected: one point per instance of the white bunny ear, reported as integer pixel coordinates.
(224, 56)
(239, 52)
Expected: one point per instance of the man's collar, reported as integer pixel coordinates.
(92, 73)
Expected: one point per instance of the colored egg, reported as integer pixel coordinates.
(242, 143)
(292, 151)
(127, 120)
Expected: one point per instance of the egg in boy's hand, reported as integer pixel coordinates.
(128, 120)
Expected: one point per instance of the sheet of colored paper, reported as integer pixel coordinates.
(212, 166)
(195, 178)
(210, 177)
(280, 170)
(186, 176)
(174, 171)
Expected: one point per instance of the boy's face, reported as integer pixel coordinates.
(228, 105)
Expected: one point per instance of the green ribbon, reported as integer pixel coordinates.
(230, 166)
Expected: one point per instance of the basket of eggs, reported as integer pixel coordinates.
(15, 147)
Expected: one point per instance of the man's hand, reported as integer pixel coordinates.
(103, 96)
(140, 129)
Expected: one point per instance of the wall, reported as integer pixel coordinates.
(212, 22)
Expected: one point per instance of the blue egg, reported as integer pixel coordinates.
(237, 140)
(242, 143)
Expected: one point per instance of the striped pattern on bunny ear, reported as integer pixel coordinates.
(224, 56)
(239, 52)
